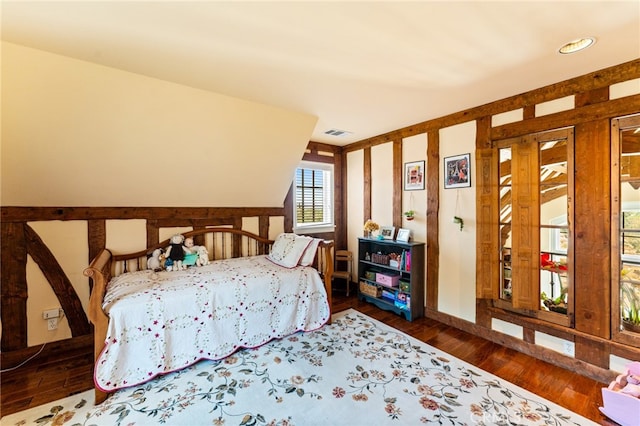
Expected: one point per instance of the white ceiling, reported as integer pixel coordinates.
(365, 67)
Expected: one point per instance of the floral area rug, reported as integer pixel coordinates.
(356, 371)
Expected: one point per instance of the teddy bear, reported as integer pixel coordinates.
(175, 252)
(154, 262)
(203, 256)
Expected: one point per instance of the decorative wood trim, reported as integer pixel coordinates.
(288, 206)
(433, 223)
(587, 113)
(60, 284)
(13, 287)
(397, 183)
(539, 352)
(318, 151)
(97, 236)
(367, 184)
(27, 214)
(487, 275)
(263, 228)
(487, 244)
(340, 200)
(525, 167)
(592, 246)
(51, 350)
(592, 97)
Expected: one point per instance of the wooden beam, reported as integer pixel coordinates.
(13, 287)
(397, 184)
(26, 214)
(587, 113)
(592, 228)
(367, 184)
(433, 210)
(61, 285)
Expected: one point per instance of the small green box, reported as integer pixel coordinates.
(370, 275)
(405, 286)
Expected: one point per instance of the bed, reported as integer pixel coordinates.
(152, 322)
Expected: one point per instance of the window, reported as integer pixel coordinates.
(533, 232)
(626, 229)
(313, 197)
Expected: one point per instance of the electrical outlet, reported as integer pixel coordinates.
(52, 324)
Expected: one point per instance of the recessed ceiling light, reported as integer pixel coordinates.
(577, 45)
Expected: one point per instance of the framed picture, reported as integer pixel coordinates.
(387, 232)
(414, 176)
(403, 235)
(457, 171)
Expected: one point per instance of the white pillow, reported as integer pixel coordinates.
(287, 249)
(310, 252)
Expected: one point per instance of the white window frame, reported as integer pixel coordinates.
(328, 225)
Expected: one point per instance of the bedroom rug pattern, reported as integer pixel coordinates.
(357, 371)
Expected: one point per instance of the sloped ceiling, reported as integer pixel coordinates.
(364, 67)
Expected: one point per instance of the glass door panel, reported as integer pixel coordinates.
(505, 224)
(554, 226)
(630, 229)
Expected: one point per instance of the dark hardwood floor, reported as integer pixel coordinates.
(44, 380)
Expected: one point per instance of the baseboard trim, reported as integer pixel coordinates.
(583, 368)
(51, 350)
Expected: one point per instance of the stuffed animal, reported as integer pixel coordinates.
(632, 379)
(203, 256)
(154, 262)
(176, 252)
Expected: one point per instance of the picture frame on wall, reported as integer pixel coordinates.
(457, 171)
(414, 176)
(387, 232)
(403, 235)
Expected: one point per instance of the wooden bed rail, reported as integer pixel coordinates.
(222, 243)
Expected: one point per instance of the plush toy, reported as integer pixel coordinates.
(203, 256)
(632, 386)
(154, 262)
(176, 252)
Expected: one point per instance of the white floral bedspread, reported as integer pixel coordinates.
(162, 322)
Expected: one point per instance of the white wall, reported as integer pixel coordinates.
(62, 239)
(382, 184)
(355, 199)
(457, 274)
(414, 148)
(69, 127)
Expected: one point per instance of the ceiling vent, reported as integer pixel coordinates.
(337, 133)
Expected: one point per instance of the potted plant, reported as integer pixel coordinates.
(559, 304)
(630, 305)
(409, 214)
